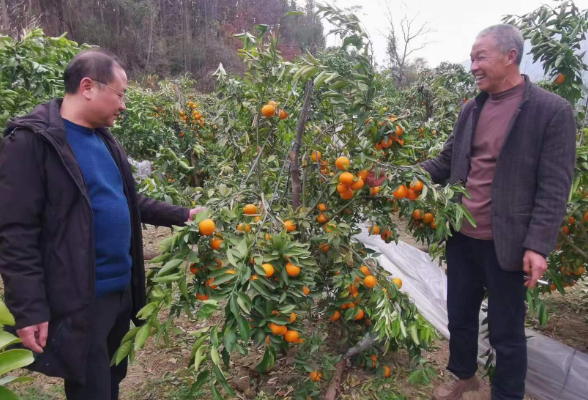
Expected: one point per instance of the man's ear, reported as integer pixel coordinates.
(86, 88)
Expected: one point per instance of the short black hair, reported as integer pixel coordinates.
(94, 64)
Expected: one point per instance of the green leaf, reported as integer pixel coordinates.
(146, 311)
(142, 336)
(202, 377)
(122, 352)
(267, 362)
(6, 339)
(242, 248)
(229, 339)
(15, 379)
(244, 329)
(6, 317)
(294, 13)
(169, 267)
(7, 394)
(214, 355)
(168, 278)
(207, 310)
(197, 345)
(13, 359)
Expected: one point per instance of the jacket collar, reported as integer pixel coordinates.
(46, 118)
(529, 87)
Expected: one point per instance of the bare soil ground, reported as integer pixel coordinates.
(160, 372)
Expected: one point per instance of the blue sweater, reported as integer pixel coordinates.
(112, 220)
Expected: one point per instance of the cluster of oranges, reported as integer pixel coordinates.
(566, 229)
(411, 193)
(198, 118)
(271, 108)
(426, 218)
(389, 141)
(385, 235)
(349, 183)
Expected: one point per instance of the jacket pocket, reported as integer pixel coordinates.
(526, 209)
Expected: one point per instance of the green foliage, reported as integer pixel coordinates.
(31, 71)
(13, 359)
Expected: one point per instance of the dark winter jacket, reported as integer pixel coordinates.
(533, 171)
(47, 258)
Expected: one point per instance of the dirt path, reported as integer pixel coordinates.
(160, 372)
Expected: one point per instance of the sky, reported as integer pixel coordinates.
(454, 23)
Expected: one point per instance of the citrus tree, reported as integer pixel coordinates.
(313, 158)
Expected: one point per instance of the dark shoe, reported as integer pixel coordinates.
(454, 390)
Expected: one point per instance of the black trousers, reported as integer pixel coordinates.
(472, 266)
(111, 321)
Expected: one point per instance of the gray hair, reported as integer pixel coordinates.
(508, 38)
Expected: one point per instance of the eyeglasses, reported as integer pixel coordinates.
(121, 95)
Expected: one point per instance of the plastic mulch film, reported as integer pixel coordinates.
(554, 372)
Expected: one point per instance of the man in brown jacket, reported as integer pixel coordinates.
(71, 249)
(513, 147)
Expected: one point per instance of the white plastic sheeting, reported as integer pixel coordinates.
(144, 168)
(555, 371)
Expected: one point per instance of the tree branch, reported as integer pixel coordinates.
(295, 153)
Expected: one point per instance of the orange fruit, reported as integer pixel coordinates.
(399, 130)
(417, 186)
(365, 270)
(565, 230)
(343, 188)
(202, 297)
(322, 207)
(342, 163)
(386, 235)
(269, 269)
(283, 114)
(181, 134)
(329, 227)
(378, 146)
(292, 318)
(250, 209)
(272, 103)
(401, 192)
(427, 218)
(386, 372)
(305, 290)
(289, 226)
(417, 214)
(257, 219)
(206, 227)
(374, 230)
(322, 219)
(268, 110)
(433, 224)
(278, 329)
(216, 243)
(324, 247)
(253, 278)
(242, 227)
(363, 174)
(336, 315)
(374, 190)
(359, 315)
(210, 285)
(193, 268)
(560, 79)
(579, 271)
(397, 282)
(370, 281)
(347, 195)
(357, 185)
(571, 220)
(315, 376)
(585, 217)
(291, 336)
(292, 269)
(346, 178)
(412, 195)
(268, 236)
(315, 155)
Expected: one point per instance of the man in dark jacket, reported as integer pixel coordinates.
(71, 251)
(513, 147)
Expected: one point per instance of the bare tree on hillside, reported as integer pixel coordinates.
(401, 45)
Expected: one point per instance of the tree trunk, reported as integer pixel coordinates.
(60, 18)
(188, 34)
(5, 23)
(195, 177)
(295, 153)
(335, 382)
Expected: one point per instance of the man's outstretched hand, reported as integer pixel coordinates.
(534, 265)
(34, 337)
(195, 211)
